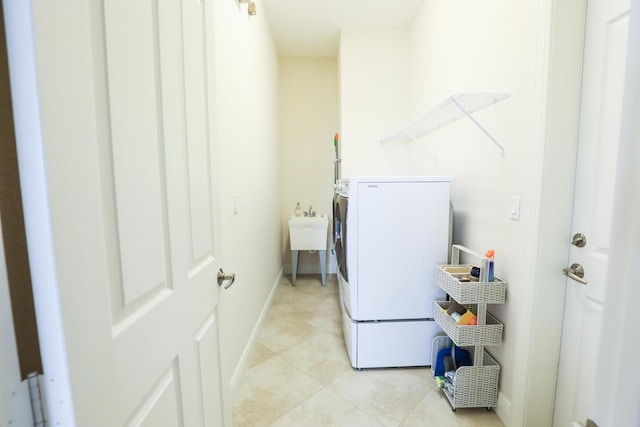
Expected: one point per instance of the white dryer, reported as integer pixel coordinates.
(389, 233)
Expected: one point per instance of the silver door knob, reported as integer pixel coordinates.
(575, 272)
(579, 240)
(226, 277)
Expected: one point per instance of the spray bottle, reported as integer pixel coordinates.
(490, 254)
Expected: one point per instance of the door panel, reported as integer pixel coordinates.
(197, 132)
(136, 131)
(599, 133)
(206, 340)
(161, 406)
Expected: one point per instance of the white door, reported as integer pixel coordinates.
(125, 113)
(604, 64)
(15, 409)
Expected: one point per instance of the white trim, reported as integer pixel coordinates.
(523, 361)
(503, 409)
(33, 180)
(561, 31)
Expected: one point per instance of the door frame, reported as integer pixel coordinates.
(557, 92)
(15, 403)
(537, 353)
(33, 181)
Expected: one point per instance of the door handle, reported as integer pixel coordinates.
(224, 277)
(579, 240)
(575, 272)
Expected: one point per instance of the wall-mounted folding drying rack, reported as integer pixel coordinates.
(447, 112)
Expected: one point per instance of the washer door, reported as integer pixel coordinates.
(340, 206)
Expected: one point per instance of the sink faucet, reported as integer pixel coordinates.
(311, 213)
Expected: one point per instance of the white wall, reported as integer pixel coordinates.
(374, 90)
(308, 121)
(246, 79)
(460, 47)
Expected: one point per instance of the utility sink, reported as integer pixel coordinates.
(308, 232)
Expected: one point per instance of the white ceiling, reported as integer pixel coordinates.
(311, 28)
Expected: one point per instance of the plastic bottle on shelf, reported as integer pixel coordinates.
(468, 318)
(490, 254)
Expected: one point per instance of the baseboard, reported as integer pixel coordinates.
(241, 367)
(503, 410)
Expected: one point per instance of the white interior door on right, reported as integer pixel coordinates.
(605, 55)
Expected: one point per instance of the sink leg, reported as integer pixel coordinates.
(323, 267)
(294, 266)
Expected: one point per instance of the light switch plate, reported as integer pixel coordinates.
(514, 213)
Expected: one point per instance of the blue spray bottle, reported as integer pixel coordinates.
(490, 255)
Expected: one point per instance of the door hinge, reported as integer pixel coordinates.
(35, 395)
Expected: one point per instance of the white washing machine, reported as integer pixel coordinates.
(389, 234)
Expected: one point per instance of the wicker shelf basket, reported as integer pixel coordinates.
(488, 334)
(473, 386)
(447, 277)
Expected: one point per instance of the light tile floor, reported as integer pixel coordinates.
(299, 374)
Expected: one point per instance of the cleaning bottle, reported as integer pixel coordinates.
(468, 319)
(490, 254)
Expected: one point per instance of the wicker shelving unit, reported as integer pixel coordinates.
(477, 385)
